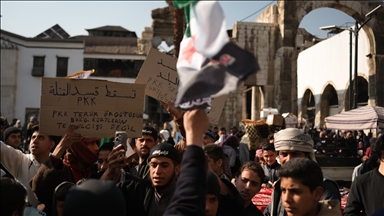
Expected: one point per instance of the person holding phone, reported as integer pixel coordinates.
(146, 196)
(79, 156)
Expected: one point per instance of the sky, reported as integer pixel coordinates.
(31, 18)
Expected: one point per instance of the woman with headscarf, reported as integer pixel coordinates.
(230, 145)
(77, 163)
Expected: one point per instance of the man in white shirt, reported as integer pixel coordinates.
(24, 166)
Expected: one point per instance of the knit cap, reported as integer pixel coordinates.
(9, 131)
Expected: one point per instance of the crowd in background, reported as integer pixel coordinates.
(166, 173)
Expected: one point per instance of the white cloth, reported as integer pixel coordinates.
(165, 134)
(21, 166)
(294, 140)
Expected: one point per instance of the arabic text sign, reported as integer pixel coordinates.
(216, 109)
(159, 75)
(97, 107)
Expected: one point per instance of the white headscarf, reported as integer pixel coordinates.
(295, 140)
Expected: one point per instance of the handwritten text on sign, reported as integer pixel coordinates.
(216, 109)
(159, 75)
(97, 107)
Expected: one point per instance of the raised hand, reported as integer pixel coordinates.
(196, 123)
(116, 161)
(66, 141)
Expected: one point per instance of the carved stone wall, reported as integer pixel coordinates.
(272, 39)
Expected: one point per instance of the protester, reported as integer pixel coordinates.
(104, 151)
(59, 196)
(166, 137)
(259, 157)
(301, 191)
(349, 145)
(213, 195)
(147, 196)
(271, 167)
(144, 145)
(230, 146)
(366, 194)
(233, 130)
(215, 157)
(32, 122)
(24, 166)
(96, 198)
(12, 137)
(244, 153)
(248, 183)
(222, 135)
(208, 138)
(293, 143)
(271, 139)
(78, 163)
(3, 125)
(216, 133)
(189, 198)
(12, 197)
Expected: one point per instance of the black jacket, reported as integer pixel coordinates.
(190, 192)
(138, 195)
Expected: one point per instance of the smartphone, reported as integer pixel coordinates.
(121, 138)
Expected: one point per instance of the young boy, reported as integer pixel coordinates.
(271, 166)
(248, 183)
(302, 188)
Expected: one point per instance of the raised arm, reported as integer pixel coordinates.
(190, 192)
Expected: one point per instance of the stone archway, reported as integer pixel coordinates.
(308, 107)
(292, 12)
(329, 103)
(363, 96)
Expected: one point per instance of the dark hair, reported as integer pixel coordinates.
(308, 172)
(214, 151)
(253, 166)
(107, 146)
(268, 147)
(378, 147)
(13, 196)
(62, 190)
(239, 134)
(271, 136)
(223, 128)
(51, 138)
(215, 127)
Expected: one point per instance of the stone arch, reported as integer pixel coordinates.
(292, 12)
(329, 103)
(308, 107)
(363, 96)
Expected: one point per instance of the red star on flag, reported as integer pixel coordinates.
(188, 51)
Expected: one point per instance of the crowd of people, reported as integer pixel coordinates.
(206, 172)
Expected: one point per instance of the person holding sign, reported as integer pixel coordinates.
(24, 166)
(78, 163)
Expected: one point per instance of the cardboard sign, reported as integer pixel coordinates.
(216, 109)
(97, 107)
(159, 74)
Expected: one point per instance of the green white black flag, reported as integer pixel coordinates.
(209, 64)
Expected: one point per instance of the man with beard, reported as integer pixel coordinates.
(147, 196)
(144, 144)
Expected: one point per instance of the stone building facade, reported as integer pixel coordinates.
(276, 41)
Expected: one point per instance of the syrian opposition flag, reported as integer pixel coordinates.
(81, 74)
(209, 65)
